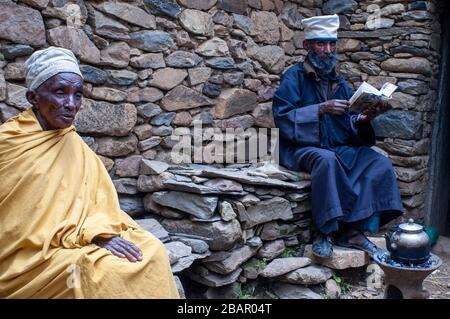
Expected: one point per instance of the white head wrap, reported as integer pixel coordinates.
(44, 64)
(321, 27)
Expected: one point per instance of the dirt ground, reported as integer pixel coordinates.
(438, 283)
(353, 282)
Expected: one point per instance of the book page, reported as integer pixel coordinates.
(388, 88)
(363, 88)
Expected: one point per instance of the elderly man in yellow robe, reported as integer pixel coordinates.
(62, 232)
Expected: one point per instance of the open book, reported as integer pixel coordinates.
(364, 97)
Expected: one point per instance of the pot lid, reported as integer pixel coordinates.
(410, 227)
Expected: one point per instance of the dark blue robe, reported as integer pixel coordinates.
(350, 182)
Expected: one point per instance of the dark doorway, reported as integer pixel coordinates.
(438, 208)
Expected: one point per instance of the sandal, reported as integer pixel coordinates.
(323, 248)
(366, 245)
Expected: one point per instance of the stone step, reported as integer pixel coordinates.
(344, 258)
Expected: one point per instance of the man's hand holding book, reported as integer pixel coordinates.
(381, 104)
(370, 102)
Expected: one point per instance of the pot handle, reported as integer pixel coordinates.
(393, 243)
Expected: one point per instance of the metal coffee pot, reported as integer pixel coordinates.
(408, 243)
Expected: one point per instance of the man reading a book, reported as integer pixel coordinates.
(353, 188)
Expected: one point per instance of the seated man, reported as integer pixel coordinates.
(62, 233)
(353, 188)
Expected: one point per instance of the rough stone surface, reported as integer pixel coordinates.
(211, 279)
(265, 27)
(116, 55)
(109, 27)
(239, 7)
(6, 112)
(147, 94)
(265, 211)
(289, 291)
(232, 260)
(219, 235)
(271, 58)
(234, 101)
(396, 123)
(339, 6)
(182, 97)
(21, 25)
(16, 96)
(198, 246)
(311, 275)
(167, 78)
(263, 115)
(75, 40)
(182, 59)
(411, 65)
(148, 167)
(198, 4)
(197, 22)
(333, 290)
(126, 186)
(213, 47)
(106, 118)
(118, 146)
(148, 60)
(128, 167)
(154, 227)
(163, 8)
(13, 51)
(199, 75)
(177, 250)
(93, 75)
(342, 258)
(199, 206)
(151, 41)
(281, 266)
(129, 13)
(132, 205)
(221, 63)
(272, 249)
(226, 211)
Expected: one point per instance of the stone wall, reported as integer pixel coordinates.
(153, 66)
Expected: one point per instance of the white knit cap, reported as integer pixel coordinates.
(44, 64)
(321, 27)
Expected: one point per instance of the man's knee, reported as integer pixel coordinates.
(326, 159)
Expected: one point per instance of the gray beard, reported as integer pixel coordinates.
(324, 64)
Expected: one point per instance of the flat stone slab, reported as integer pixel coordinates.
(218, 235)
(177, 250)
(281, 266)
(204, 276)
(289, 291)
(186, 262)
(154, 227)
(200, 206)
(238, 175)
(342, 258)
(311, 275)
(236, 258)
(198, 246)
(197, 188)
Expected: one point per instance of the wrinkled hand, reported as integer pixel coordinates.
(336, 107)
(120, 247)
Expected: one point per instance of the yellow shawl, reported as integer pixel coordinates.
(55, 197)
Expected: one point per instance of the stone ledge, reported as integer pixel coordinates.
(344, 258)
